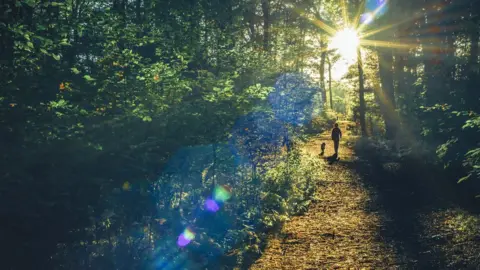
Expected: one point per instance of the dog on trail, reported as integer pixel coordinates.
(322, 147)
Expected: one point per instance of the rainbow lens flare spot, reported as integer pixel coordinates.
(366, 18)
(189, 234)
(222, 193)
(211, 205)
(126, 186)
(185, 238)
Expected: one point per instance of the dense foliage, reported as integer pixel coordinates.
(114, 122)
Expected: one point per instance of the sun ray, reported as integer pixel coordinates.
(433, 21)
(435, 29)
(376, 31)
(319, 23)
(386, 27)
(345, 13)
(373, 14)
(387, 44)
(389, 109)
(397, 45)
(327, 28)
(356, 19)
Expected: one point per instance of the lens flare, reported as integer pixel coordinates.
(366, 18)
(222, 193)
(126, 186)
(293, 101)
(211, 205)
(185, 238)
(189, 234)
(182, 241)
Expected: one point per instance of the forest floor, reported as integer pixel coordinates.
(360, 219)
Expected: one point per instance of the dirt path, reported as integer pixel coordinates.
(356, 223)
(337, 231)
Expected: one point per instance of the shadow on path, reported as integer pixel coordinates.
(409, 194)
(371, 212)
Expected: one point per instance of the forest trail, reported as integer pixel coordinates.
(337, 230)
(354, 222)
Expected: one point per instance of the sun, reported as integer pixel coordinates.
(345, 42)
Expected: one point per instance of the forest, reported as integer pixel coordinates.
(183, 134)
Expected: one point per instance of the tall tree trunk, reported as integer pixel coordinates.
(322, 71)
(436, 91)
(266, 24)
(361, 92)
(387, 97)
(330, 82)
(138, 11)
(250, 17)
(472, 92)
(400, 78)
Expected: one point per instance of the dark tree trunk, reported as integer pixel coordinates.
(322, 71)
(361, 92)
(387, 97)
(266, 24)
(138, 11)
(330, 82)
(472, 92)
(250, 17)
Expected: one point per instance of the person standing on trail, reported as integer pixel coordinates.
(336, 135)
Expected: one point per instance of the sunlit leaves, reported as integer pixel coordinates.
(436, 107)
(88, 78)
(75, 70)
(472, 123)
(442, 149)
(465, 178)
(62, 103)
(258, 91)
(64, 42)
(31, 3)
(147, 119)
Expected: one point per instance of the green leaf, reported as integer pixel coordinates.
(30, 44)
(88, 78)
(465, 178)
(56, 56)
(147, 119)
(65, 42)
(75, 70)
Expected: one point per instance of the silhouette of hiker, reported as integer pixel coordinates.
(336, 135)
